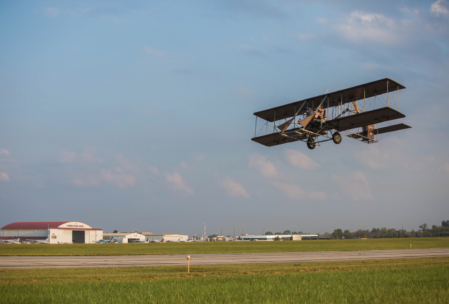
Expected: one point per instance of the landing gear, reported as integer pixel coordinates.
(311, 144)
(336, 137)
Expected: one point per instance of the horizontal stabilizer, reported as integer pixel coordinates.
(392, 128)
(383, 130)
(366, 118)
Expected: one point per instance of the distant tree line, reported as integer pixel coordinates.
(424, 231)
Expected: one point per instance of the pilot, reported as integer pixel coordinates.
(320, 113)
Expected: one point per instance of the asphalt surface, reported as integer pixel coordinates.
(212, 259)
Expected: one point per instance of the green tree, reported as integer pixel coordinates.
(115, 231)
(337, 234)
(348, 235)
(423, 228)
(287, 232)
(268, 233)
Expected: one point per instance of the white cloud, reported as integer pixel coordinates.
(354, 185)
(4, 152)
(305, 36)
(291, 191)
(86, 157)
(4, 177)
(372, 157)
(446, 167)
(51, 12)
(265, 167)
(393, 153)
(115, 177)
(440, 7)
(125, 164)
(153, 170)
(177, 183)
(359, 28)
(232, 188)
(184, 166)
(118, 178)
(153, 51)
(297, 192)
(90, 171)
(300, 160)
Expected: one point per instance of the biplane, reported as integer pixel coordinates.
(333, 115)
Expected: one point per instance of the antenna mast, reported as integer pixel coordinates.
(204, 233)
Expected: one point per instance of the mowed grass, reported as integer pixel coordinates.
(220, 247)
(424, 280)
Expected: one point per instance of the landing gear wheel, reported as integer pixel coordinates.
(336, 137)
(311, 144)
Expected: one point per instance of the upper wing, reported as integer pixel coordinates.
(365, 118)
(336, 98)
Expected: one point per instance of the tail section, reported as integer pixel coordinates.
(368, 131)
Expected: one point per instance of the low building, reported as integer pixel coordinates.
(55, 232)
(167, 237)
(283, 237)
(124, 237)
(325, 236)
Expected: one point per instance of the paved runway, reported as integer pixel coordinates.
(211, 259)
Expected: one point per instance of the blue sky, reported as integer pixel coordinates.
(138, 115)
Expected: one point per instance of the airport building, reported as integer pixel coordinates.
(55, 232)
(283, 237)
(124, 237)
(167, 237)
(131, 237)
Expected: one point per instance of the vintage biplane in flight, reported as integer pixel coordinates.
(333, 115)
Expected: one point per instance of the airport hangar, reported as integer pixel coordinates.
(56, 232)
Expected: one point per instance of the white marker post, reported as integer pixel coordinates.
(188, 264)
(410, 246)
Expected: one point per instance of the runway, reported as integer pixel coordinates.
(211, 259)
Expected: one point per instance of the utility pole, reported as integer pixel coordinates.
(204, 233)
(234, 232)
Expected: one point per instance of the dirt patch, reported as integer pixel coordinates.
(200, 275)
(248, 272)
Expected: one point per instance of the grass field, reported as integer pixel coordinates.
(221, 247)
(424, 280)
